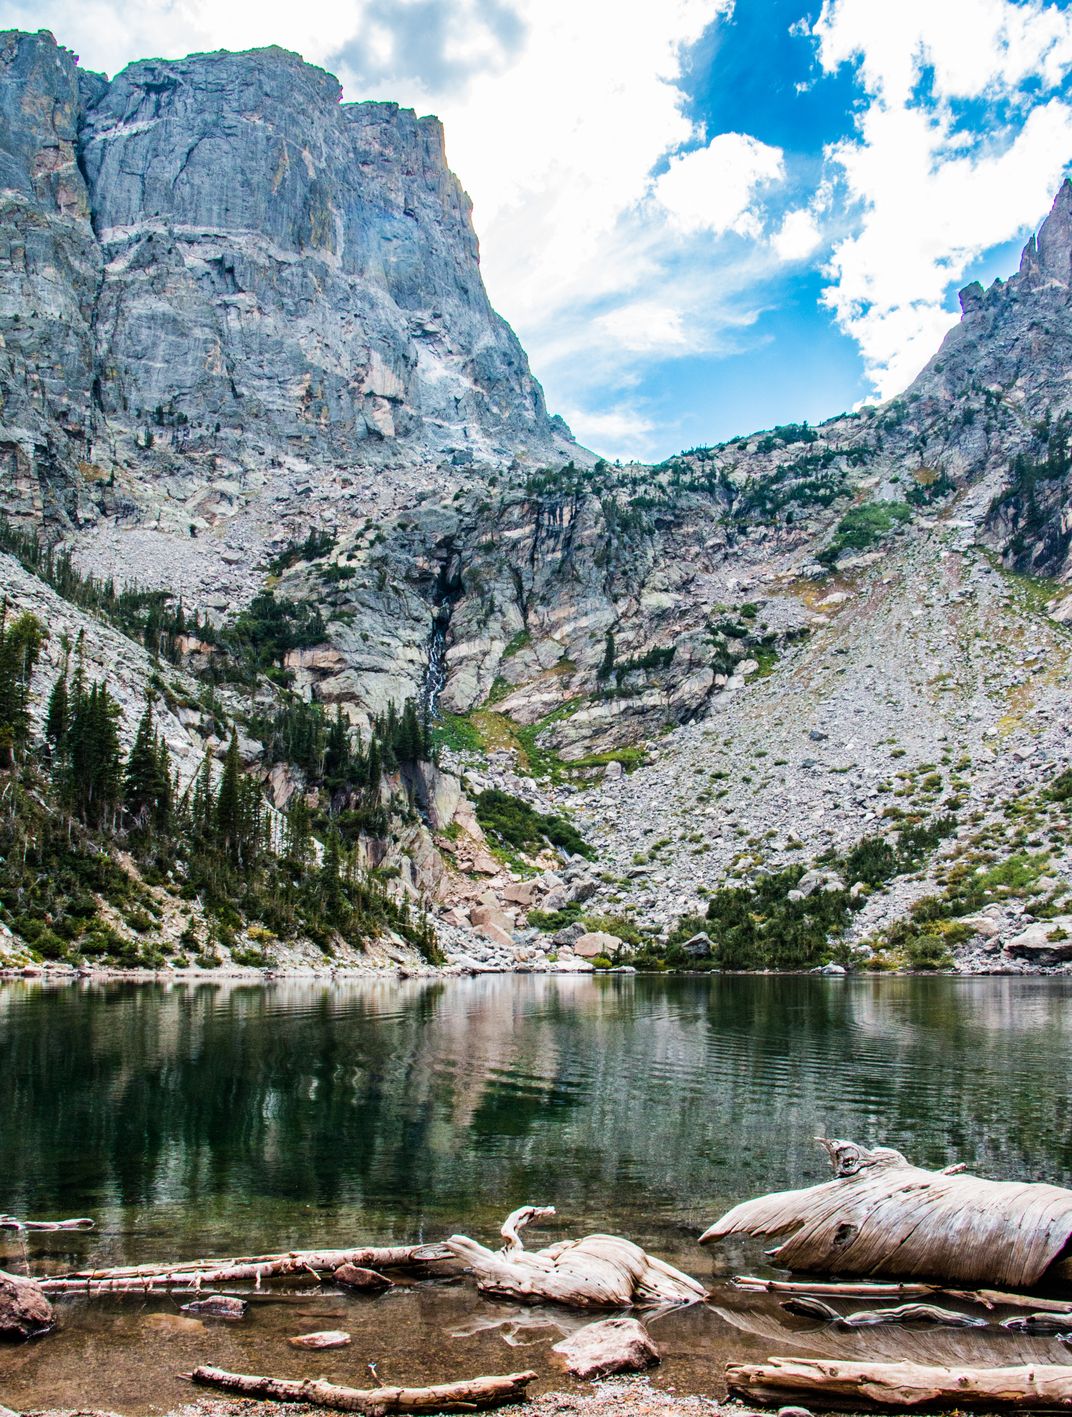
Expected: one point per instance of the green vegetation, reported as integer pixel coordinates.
(759, 925)
(863, 527)
(513, 823)
(73, 805)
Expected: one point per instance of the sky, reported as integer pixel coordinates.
(702, 217)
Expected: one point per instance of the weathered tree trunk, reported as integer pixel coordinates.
(194, 1274)
(467, 1396)
(988, 1298)
(10, 1222)
(833, 1383)
(599, 1271)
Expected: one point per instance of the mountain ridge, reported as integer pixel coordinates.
(412, 527)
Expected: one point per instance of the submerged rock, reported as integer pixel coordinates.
(327, 1338)
(218, 1306)
(352, 1276)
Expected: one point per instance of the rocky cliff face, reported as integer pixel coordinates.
(215, 274)
(235, 311)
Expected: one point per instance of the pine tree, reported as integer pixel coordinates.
(147, 777)
(330, 883)
(229, 803)
(297, 838)
(606, 667)
(58, 713)
(90, 767)
(337, 753)
(20, 645)
(408, 736)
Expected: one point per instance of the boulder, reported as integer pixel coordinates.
(520, 892)
(24, 1310)
(1037, 943)
(482, 916)
(699, 946)
(582, 890)
(611, 1346)
(984, 925)
(596, 942)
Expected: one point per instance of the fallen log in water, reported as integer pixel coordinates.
(825, 1382)
(883, 1216)
(599, 1271)
(10, 1222)
(988, 1298)
(467, 1396)
(813, 1308)
(193, 1274)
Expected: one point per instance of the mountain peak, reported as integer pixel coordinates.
(1050, 252)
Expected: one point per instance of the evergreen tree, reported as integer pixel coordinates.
(147, 777)
(297, 837)
(58, 713)
(330, 883)
(20, 645)
(337, 753)
(229, 805)
(409, 739)
(202, 805)
(606, 667)
(89, 769)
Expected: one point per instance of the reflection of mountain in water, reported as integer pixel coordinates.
(645, 1104)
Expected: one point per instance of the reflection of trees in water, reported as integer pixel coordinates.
(641, 1100)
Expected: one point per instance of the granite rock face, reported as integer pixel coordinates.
(213, 265)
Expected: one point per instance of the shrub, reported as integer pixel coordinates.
(514, 823)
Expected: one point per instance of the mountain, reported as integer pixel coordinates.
(219, 274)
(792, 691)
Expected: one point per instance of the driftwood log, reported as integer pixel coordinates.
(599, 1271)
(883, 1216)
(192, 1275)
(468, 1396)
(9, 1222)
(810, 1307)
(988, 1298)
(823, 1382)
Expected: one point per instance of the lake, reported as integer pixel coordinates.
(220, 1117)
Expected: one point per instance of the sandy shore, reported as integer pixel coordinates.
(614, 1397)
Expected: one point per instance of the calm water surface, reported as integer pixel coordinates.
(215, 1118)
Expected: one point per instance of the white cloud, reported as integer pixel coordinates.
(798, 236)
(714, 188)
(646, 327)
(618, 432)
(933, 195)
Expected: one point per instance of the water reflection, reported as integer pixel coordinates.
(406, 1108)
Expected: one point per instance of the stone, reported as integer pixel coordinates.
(1037, 942)
(596, 942)
(698, 946)
(352, 1276)
(520, 892)
(217, 1306)
(24, 1310)
(610, 1346)
(325, 1338)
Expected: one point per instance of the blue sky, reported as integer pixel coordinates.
(701, 216)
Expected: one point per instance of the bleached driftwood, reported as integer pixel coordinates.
(192, 1275)
(883, 1216)
(599, 1271)
(813, 1308)
(10, 1222)
(823, 1382)
(468, 1396)
(988, 1298)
